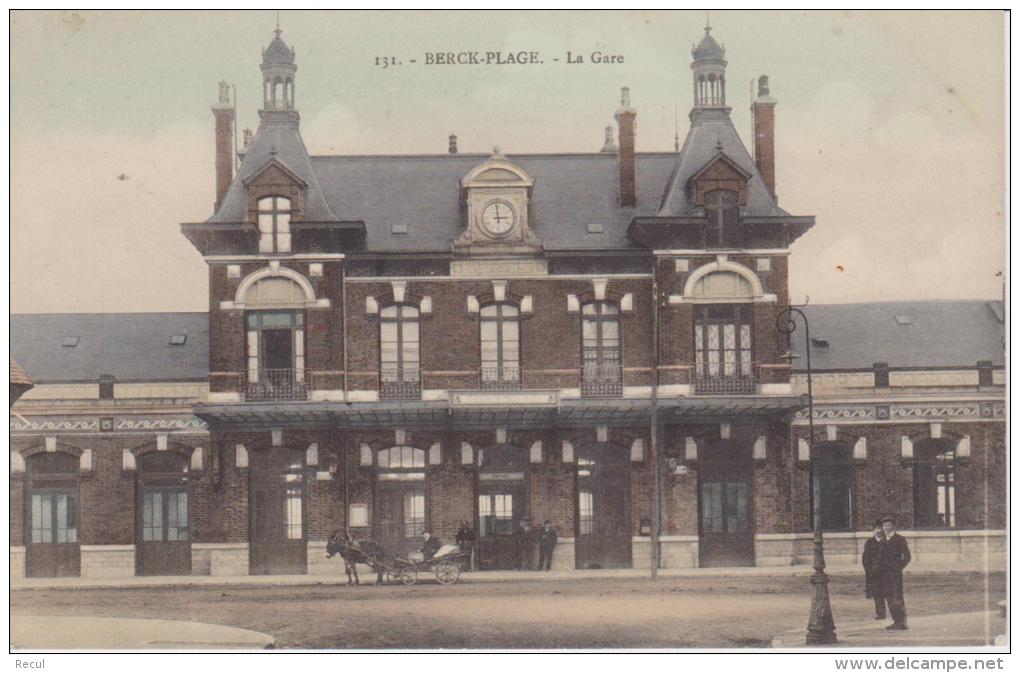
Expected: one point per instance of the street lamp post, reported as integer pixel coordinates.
(821, 629)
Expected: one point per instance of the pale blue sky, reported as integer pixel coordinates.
(889, 129)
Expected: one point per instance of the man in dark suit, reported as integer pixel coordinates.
(869, 559)
(546, 545)
(892, 557)
(431, 546)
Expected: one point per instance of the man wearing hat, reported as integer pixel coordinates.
(869, 559)
(890, 560)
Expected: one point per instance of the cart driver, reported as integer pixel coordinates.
(430, 547)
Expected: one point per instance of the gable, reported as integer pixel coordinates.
(719, 173)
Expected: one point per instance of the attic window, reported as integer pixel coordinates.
(399, 229)
(178, 339)
(819, 343)
(595, 228)
(70, 342)
(904, 320)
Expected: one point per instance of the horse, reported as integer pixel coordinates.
(353, 552)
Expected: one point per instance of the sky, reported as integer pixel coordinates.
(890, 129)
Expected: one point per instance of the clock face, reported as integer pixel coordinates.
(498, 218)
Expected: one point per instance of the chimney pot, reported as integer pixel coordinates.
(453, 144)
(610, 143)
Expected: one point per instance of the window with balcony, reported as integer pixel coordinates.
(276, 362)
(500, 330)
(723, 348)
(399, 353)
(274, 224)
(601, 356)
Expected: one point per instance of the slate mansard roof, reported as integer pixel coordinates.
(906, 334)
(128, 346)
(135, 346)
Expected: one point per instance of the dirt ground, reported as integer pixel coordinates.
(676, 612)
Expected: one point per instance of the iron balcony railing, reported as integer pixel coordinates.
(275, 384)
(605, 380)
(725, 385)
(501, 378)
(400, 384)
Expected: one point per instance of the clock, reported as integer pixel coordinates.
(498, 218)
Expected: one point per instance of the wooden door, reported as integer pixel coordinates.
(163, 517)
(400, 516)
(501, 509)
(52, 515)
(725, 506)
(278, 544)
(603, 508)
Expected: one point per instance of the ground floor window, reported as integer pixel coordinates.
(935, 484)
(165, 516)
(495, 514)
(53, 518)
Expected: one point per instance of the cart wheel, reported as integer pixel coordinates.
(447, 572)
(408, 576)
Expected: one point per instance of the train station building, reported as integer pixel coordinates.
(399, 344)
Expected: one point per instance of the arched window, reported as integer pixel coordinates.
(500, 346)
(401, 458)
(274, 224)
(934, 484)
(399, 352)
(831, 476)
(723, 212)
(720, 285)
(601, 356)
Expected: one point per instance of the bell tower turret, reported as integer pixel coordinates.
(709, 68)
(278, 70)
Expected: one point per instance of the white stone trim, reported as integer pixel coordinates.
(399, 289)
(567, 451)
(425, 305)
(599, 286)
(363, 396)
(963, 447)
(326, 396)
(275, 270)
(535, 453)
(17, 462)
(499, 288)
(775, 389)
(690, 449)
(240, 455)
(803, 450)
(435, 454)
(693, 252)
(312, 454)
(466, 454)
(196, 458)
(637, 450)
(723, 265)
(830, 432)
(51, 444)
(277, 437)
(906, 448)
(366, 455)
(127, 460)
(371, 305)
(315, 270)
(861, 449)
(223, 397)
(527, 305)
(435, 395)
(573, 304)
(759, 450)
(724, 430)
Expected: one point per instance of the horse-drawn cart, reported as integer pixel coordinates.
(445, 565)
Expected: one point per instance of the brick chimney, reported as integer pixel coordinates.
(764, 112)
(626, 118)
(223, 112)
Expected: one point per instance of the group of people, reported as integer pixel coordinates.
(533, 545)
(885, 556)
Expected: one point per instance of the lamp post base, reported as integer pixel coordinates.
(821, 629)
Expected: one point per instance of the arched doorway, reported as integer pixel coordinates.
(52, 547)
(278, 544)
(163, 519)
(603, 507)
(400, 511)
(725, 504)
(502, 505)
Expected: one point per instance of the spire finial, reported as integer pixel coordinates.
(708, 24)
(676, 126)
(277, 31)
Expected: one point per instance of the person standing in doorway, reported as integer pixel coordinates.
(869, 559)
(546, 545)
(893, 557)
(466, 541)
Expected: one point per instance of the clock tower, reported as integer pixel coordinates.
(495, 197)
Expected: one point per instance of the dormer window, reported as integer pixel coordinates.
(723, 212)
(274, 224)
